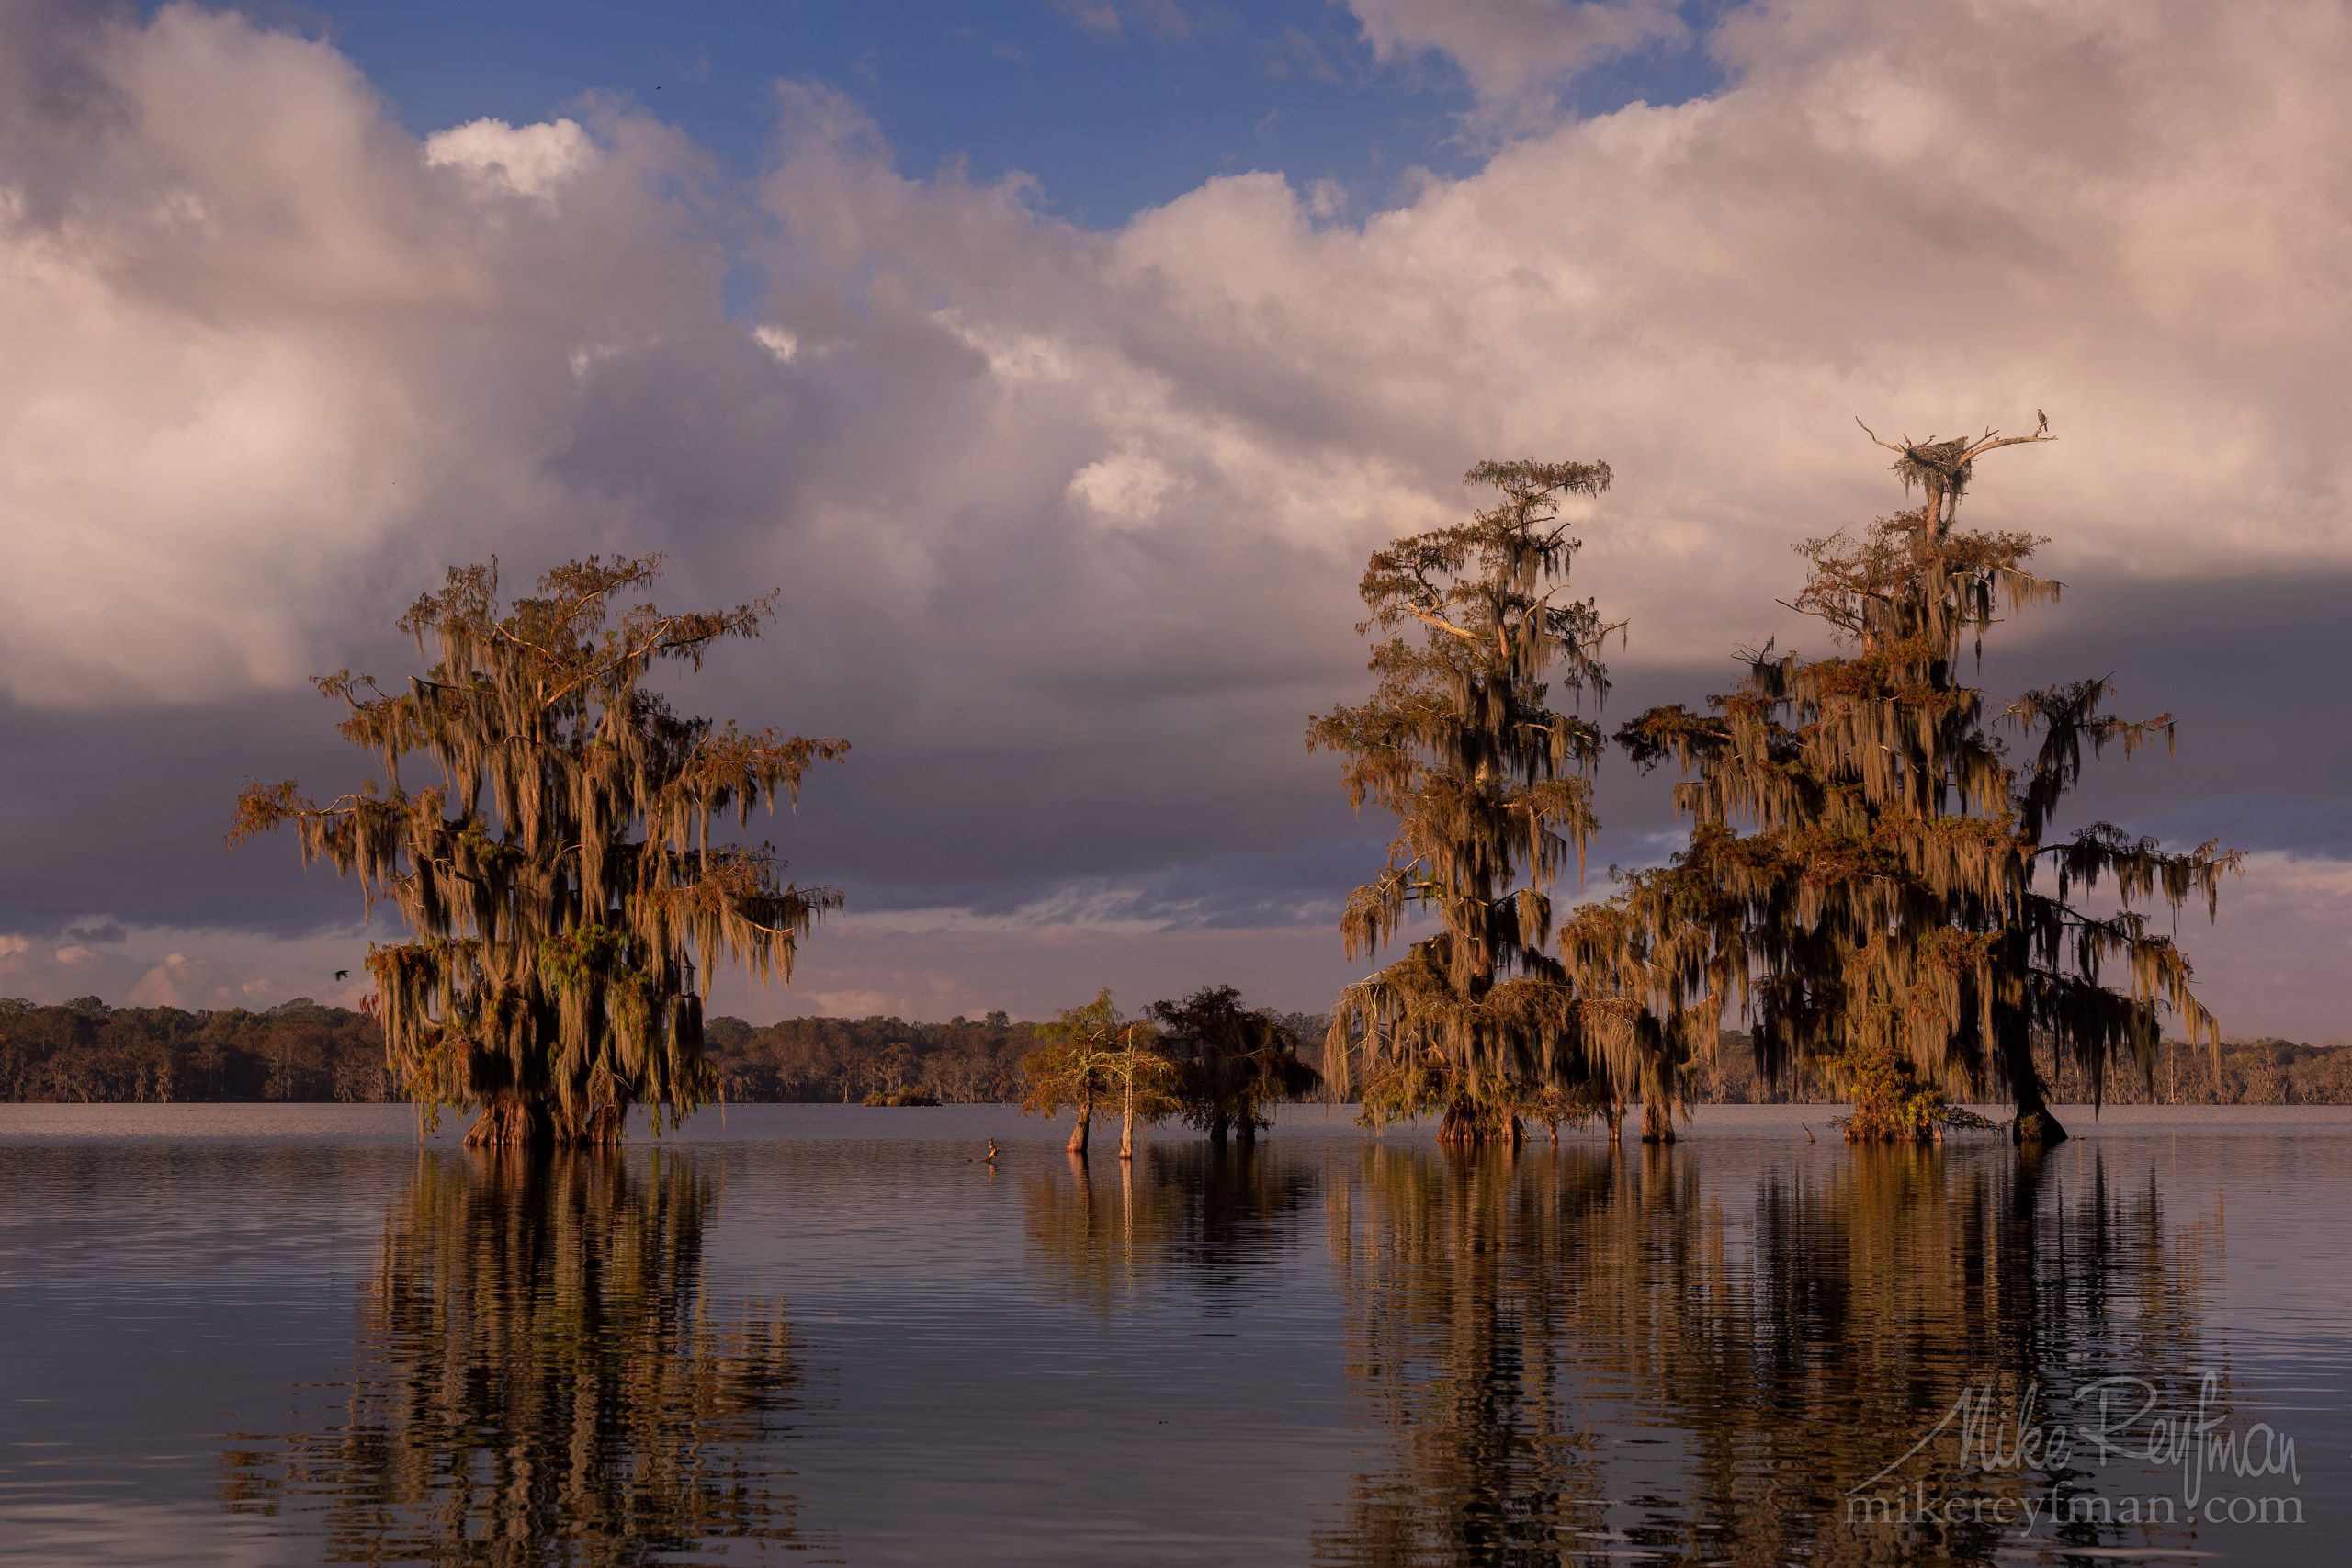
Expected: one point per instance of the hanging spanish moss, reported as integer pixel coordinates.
(1873, 872)
(1492, 791)
(565, 901)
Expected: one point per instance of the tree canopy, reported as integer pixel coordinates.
(1231, 1060)
(1094, 1055)
(1874, 873)
(565, 900)
(1491, 788)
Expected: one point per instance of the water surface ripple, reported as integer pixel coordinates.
(292, 1334)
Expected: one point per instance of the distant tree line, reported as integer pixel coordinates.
(2250, 1072)
(84, 1052)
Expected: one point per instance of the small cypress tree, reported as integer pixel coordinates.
(1094, 1055)
(1231, 1061)
(1492, 793)
(1898, 909)
(565, 903)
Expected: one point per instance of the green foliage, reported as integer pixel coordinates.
(565, 903)
(1891, 1104)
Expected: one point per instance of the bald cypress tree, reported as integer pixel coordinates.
(1231, 1061)
(565, 903)
(1875, 871)
(1492, 793)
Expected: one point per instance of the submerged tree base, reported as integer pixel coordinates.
(1858, 1130)
(1469, 1127)
(2037, 1129)
(530, 1124)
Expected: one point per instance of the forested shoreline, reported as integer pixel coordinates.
(84, 1052)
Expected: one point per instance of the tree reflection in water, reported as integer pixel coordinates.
(1580, 1355)
(1210, 1217)
(542, 1378)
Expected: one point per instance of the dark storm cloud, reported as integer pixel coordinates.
(1206, 810)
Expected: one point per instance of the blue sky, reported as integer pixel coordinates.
(1108, 121)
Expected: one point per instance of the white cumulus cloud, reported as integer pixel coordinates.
(528, 160)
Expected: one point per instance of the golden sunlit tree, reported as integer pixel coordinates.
(1875, 872)
(1492, 793)
(565, 901)
(1094, 1055)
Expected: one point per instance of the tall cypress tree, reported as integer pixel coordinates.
(1492, 791)
(565, 903)
(1872, 870)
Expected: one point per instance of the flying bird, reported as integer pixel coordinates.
(343, 974)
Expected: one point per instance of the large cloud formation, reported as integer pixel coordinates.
(1067, 521)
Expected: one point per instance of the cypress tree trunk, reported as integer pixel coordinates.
(509, 1121)
(1658, 1118)
(1077, 1132)
(1128, 1119)
(1468, 1126)
(600, 1129)
(2034, 1124)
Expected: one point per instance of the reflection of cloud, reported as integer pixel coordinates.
(129, 1530)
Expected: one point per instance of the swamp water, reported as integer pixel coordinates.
(293, 1334)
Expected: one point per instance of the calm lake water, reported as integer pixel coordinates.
(292, 1334)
